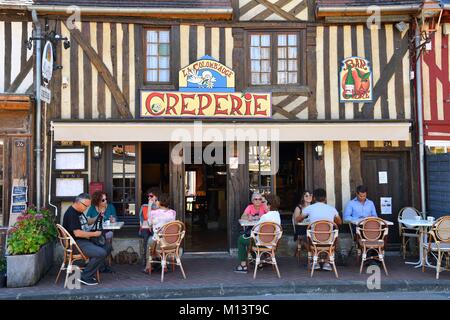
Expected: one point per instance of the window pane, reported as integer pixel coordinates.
(164, 75)
(265, 78)
(152, 50)
(255, 65)
(281, 65)
(255, 53)
(265, 66)
(282, 53)
(164, 49)
(164, 62)
(152, 36)
(164, 36)
(282, 78)
(152, 62)
(265, 40)
(292, 53)
(118, 195)
(292, 65)
(282, 40)
(255, 78)
(255, 41)
(152, 75)
(265, 53)
(292, 40)
(292, 77)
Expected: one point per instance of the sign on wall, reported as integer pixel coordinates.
(355, 80)
(206, 90)
(18, 199)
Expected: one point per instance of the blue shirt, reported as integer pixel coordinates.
(356, 210)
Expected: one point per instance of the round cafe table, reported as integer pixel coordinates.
(423, 229)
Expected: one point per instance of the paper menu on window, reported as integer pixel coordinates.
(386, 205)
(382, 177)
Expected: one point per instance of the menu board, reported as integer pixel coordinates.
(69, 187)
(18, 199)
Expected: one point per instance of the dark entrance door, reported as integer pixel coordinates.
(376, 166)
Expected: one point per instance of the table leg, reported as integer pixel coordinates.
(419, 263)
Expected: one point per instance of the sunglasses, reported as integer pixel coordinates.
(151, 196)
(83, 204)
(259, 199)
(104, 199)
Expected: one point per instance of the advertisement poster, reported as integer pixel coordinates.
(386, 205)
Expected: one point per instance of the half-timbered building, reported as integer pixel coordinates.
(341, 105)
(16, 108)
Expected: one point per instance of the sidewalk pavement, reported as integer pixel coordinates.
(214, 277)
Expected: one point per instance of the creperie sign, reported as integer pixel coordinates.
(184, 104)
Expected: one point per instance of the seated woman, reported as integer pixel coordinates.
(273, 203)
(101, 207)
(145, 230)
(300, 231)
(256, 209)
(159, 217)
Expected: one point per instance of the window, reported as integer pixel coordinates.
(287, 59)
(274, 51)
(260, 170)
(260, 59)
(124, 181)
(157, 56)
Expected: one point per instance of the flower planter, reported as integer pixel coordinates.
(27, 270)
(2, 279)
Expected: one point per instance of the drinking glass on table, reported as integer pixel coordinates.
(112, 219)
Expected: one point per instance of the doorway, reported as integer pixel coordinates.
(206, 203)
(387, 175)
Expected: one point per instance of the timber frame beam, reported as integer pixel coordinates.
(122, 105)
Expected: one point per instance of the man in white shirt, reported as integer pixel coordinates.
(321, 211)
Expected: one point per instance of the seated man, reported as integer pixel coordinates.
(359, 207)
(321, 211)
(77, 224)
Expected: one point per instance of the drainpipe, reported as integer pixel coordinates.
(38, 35)
(50, 173)
(420, 123)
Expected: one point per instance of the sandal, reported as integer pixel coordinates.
(240, 269)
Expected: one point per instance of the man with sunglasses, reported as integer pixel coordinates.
(77, 224)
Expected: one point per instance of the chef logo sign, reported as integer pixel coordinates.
(355, 80)
(206, 89)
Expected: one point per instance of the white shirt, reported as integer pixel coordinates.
(320, 211)
(271, 216)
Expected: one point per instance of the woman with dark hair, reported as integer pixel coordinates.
(300, 231)
(101, 206)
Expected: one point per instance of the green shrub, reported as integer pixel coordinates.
(33, 229)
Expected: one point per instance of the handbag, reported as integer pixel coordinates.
(128, 256)
(98, 226)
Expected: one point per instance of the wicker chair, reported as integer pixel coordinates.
(322, 236)
(265, 237)
(372, 233)
(72, 253)
(167, 245)
(405, 231)
(439, 242)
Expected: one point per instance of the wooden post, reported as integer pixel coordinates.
(176, 173)
(237, 194)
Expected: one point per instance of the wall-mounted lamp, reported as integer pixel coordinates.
(318, 151)
(401, 26)
(97, 151)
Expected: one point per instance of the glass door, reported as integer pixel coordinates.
(2, 202)
(123, 184)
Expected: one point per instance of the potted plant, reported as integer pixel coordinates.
(30, 247)
(2, 272)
